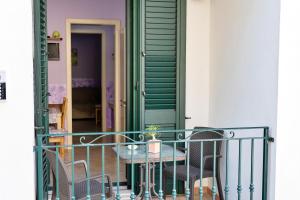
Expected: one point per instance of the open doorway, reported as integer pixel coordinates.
(87, 56)
(109, 111)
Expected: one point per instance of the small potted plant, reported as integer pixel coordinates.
(154, 144)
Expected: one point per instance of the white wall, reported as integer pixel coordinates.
(243, 76)
(288, 159)
(197, 62)
(17, 113)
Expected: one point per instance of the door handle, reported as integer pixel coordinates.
(187, 117)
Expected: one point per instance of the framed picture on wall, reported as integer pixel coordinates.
(53, 51)
(74, 55)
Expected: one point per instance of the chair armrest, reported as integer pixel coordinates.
(207, 157)
(83, 162)
(98, 177)
(182, 149)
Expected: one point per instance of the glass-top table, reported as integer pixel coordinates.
(138, 156)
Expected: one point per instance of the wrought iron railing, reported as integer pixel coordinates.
(235, 142)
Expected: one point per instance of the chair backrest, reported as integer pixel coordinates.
(62, 176)
(208, 147)
(64, 112)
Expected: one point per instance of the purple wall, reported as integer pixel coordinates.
(89, 57)
(60, 10)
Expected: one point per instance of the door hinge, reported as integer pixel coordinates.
(123, 103)
(39, 127)
(137, 85)
(271, 139)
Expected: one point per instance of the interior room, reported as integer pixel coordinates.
(82, 59)
(86, 82)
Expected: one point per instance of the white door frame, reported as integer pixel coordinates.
(117, 114)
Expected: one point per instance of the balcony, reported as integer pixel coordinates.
(95, 167)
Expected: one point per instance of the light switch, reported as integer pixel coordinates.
(2, 85)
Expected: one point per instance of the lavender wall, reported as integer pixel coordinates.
(60, 10)
(89, 56)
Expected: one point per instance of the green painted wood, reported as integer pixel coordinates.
(157, 64)
(161, 26)
(161, 51)
(181, 64)
(161, 4)
(41, 91)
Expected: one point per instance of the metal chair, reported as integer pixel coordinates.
(80, 185)
(208, 154)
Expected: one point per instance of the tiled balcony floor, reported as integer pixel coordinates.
(95, 162)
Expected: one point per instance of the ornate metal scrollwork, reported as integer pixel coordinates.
(180, 136)
(83, 138)
(231, 134)
(142, 137)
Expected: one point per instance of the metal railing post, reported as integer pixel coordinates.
(201, 171)
(161, 192)
(265, 165)
(40, 180)
(103, 172)
(251, 188)
(226, 189)
(239, 187)
(187, 190)
(88, 188)
(73, 174)
(57, 173)
(214, 190)
(174, 192)
(118, 197)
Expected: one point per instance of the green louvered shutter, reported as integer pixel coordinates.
(41, 85)
(160, 44)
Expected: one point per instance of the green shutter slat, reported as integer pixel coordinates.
(160, 31)
(160, 85)
(160, 59)
(162, 4)
(161, 26)
(161, 66)
(160, 10)
(160, 15)
(159, 106)
(163, 0)
(161, 96)
(161, 91)
(160, 21)
(161, 52)
(160, 75)
(160, 48)
(160, 42)
(160, 37)
(161, 80)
